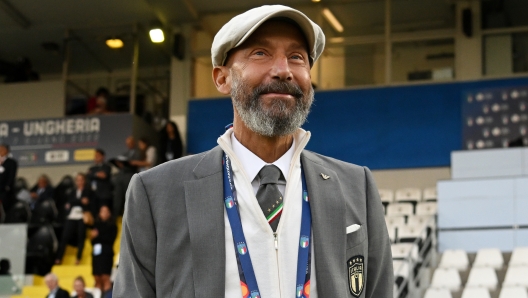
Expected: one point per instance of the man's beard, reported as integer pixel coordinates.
(278, 119)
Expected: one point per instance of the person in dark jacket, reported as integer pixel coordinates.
(99, 179)
(103, 236)
(79, 206)
(170, 143)
(8, 171)
(52, 281)
(78, 286)
(41, 191)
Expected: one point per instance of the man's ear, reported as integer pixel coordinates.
(222, 79)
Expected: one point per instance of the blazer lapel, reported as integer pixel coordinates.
(205, 213)
(328, 225)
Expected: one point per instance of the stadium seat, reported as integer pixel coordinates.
(446, 279)
(489, 257)
(456, 259)
(398, 220)
(475, 293)
(429, 194)
(396, 209)
(19, 213)
(401, 268)
(437, 293)
(386, 195)
(402, 251)
(391, 230)
(409, 233)
(516, 276)
(483, 277)
(519, 257)
(408, 195)
(513, 292)
(421, 220)
(426, 208)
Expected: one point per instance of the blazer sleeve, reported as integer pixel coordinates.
(137, 258)
(380, 278)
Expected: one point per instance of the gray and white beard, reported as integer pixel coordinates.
(278, 120)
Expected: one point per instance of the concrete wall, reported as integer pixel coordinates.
(32, 100)
(420, 178)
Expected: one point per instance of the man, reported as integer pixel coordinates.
(8, 171)
(99, 179)
(122, 178)
(52, 281)
(258, 216)
(41, 191)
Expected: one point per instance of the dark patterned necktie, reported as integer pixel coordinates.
(269, 196)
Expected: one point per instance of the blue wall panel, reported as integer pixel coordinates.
(382, 128)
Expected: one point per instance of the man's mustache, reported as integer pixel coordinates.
(280, 87)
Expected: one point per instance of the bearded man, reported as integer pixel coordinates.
(257, 216)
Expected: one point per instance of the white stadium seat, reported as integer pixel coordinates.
(454, 258)
(426, 208)
(398, 220)
(386, 195)
(483, 277)
(395, 209)
(422, 220)
(438, 293)
(411, 232)
(489, 257)
(401, 268)
(475, 293)
(519, 257)
(401, 251)
(513, 292)
(516, 276)
(408, 195)
(429, 194)
(446, 279)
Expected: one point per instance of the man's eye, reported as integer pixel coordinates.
(298, 57)
(259, 53)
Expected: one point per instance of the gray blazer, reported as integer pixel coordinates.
(173, 244)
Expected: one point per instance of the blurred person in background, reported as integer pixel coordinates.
(99, 179)
(103, 236)
(97, 104)
(78, 287)
(126, 171)
(52, 282)
(80, 211)
(170, 143)
(41, 191)
(148, 156)
(8, 171)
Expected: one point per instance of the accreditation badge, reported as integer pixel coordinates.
(356, 275)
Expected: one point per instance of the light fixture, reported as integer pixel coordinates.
(316, 1)
(329, 16)
(114, 43)
(156, 34)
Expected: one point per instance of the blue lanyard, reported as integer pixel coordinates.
(248, 280)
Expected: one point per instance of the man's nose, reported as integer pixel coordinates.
(281, 69)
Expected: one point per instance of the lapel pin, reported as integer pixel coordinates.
(325, 177)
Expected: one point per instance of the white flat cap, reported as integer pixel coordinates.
(239, 28)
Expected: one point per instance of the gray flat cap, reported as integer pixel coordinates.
(239, 28)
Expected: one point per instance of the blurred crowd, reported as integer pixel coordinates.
(80, 207)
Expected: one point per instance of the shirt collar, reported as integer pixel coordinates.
(253, 164)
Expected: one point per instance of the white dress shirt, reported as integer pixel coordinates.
(275, 265)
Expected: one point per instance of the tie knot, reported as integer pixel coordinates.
(269, 174)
